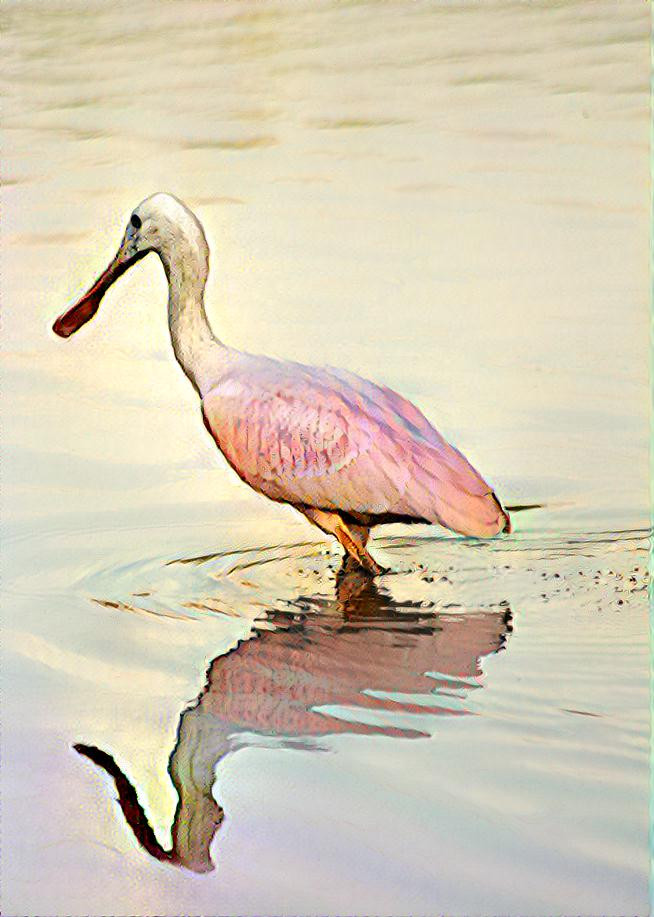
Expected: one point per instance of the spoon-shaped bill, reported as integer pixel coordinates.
(86, 307)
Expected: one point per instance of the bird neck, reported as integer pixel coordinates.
(186, 264)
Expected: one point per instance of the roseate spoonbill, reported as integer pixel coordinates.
(346, 452)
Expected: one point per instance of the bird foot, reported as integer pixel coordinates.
(377, 570)
(367, 563)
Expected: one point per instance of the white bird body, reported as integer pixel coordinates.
(346, 452)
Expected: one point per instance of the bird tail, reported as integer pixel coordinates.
(445, 488)
(502, 517)
(507, 527)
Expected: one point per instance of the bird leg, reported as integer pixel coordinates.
(353, 537)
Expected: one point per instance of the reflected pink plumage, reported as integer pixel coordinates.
(326, 438)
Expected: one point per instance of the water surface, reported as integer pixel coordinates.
(446, 197)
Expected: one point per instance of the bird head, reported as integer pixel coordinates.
(162, 224)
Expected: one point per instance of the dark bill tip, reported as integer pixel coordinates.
(73, 319)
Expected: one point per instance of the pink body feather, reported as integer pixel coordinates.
(326, 438)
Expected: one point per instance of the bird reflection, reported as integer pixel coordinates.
(353, 664)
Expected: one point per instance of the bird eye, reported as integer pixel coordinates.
(135, 221)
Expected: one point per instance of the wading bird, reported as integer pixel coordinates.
(346, 452)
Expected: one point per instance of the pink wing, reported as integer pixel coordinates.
(326, 438)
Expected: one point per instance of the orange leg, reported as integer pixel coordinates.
(353, 537)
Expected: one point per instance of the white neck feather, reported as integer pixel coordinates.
(186, 263)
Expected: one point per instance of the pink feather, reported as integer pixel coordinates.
(329, 439)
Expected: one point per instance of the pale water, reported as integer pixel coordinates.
(451, 198)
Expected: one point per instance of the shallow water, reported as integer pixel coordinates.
(445, 197)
